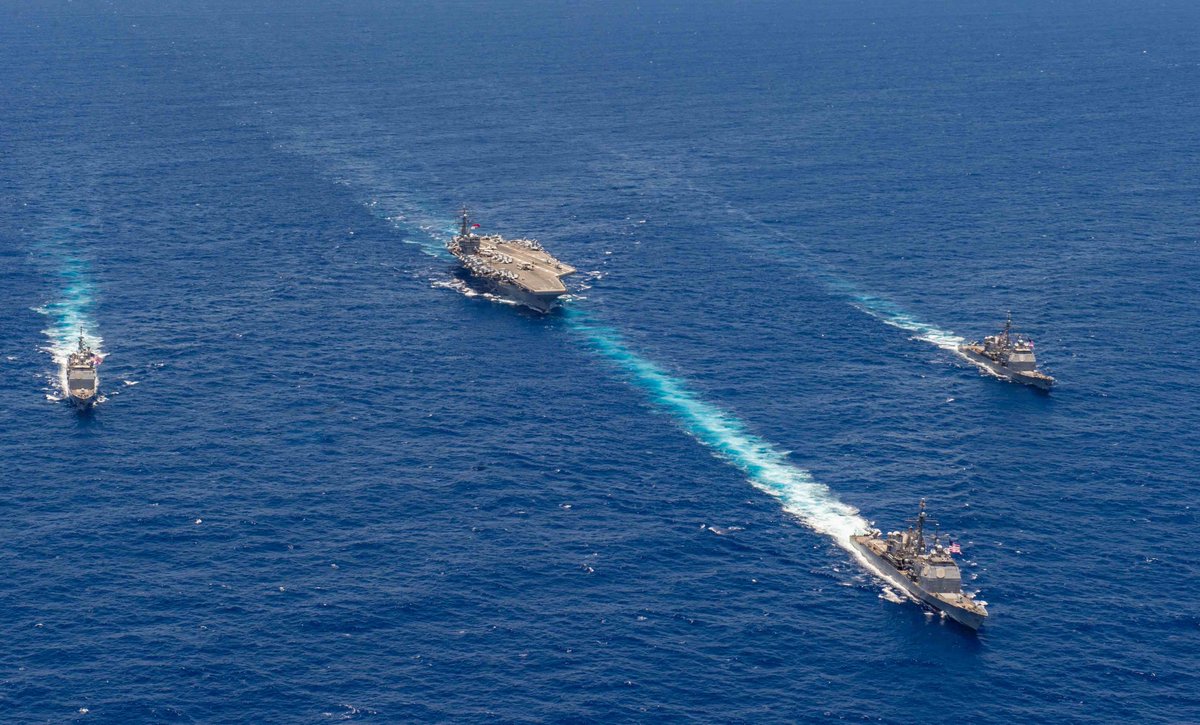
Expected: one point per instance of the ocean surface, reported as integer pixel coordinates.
(328, 482)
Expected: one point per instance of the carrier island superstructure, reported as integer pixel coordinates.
(927, 573)
(518, 270)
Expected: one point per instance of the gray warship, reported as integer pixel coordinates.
(928, 574)
(519, 270)
(1009, 355)
(83, 384)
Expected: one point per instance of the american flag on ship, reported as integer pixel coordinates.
(955, 548)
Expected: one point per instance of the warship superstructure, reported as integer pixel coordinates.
(1009, 355)
(83, 383)
(519, 270)
(927, 573)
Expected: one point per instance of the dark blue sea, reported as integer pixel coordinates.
(327, 481)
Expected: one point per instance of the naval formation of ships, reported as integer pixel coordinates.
(523, 272)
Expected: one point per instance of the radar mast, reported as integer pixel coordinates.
(919, 532)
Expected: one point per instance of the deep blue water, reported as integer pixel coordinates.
(325, 485)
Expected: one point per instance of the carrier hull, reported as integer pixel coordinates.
(542, 303)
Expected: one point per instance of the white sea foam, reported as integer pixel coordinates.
(891, 314)
(722, 530)
(457, 285)
(467, 290)
(766, 467)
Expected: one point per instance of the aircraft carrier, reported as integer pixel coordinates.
(928, 574)
(83, 383)
(518, 270)
(1009, 355)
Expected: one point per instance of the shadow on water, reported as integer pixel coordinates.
(919, 622)
(86, 418)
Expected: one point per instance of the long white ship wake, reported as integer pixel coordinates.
(765, 466)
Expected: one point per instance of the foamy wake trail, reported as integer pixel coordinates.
(766, 467)
(467, 290)
(892, 314)
(349, 164)
(69, 317)
(647, 171)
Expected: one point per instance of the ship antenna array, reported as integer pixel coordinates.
(920, 521)
(464, 219)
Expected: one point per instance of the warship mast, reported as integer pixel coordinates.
(922, 519)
